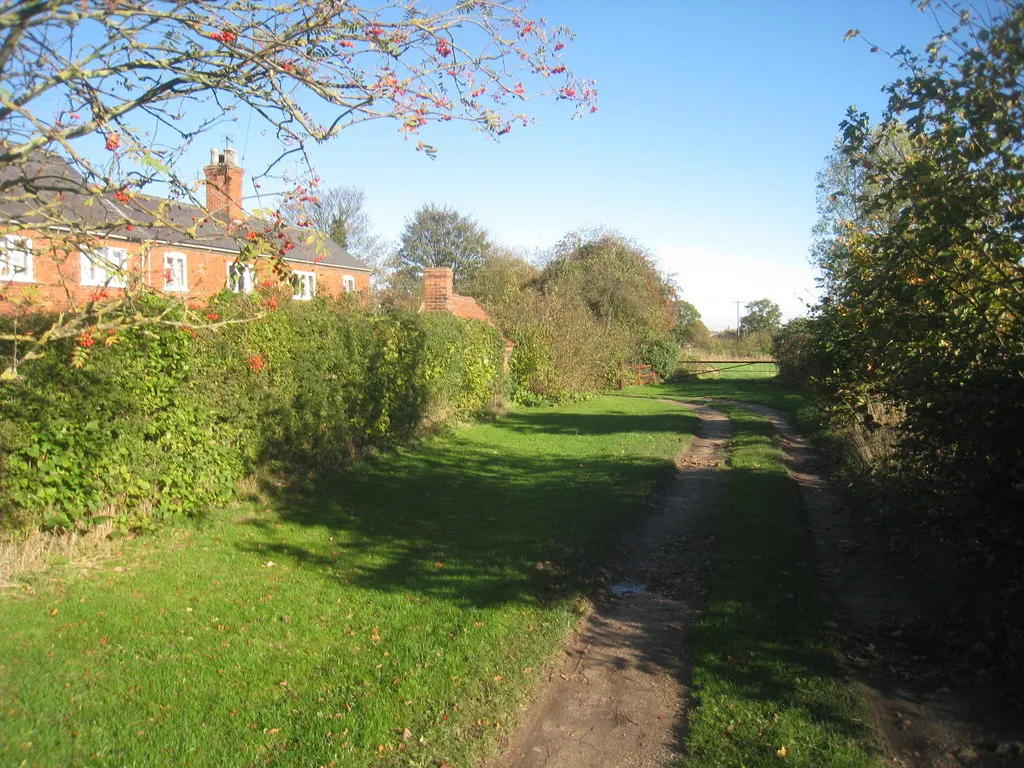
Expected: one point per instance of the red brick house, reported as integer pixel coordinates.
(174, 247)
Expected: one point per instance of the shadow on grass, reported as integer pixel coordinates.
(526, 519)
(608, 423)
(765, 390)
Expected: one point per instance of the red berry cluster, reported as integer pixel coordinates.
(224, 36)
(113, 142)
(86, 340)
(257, 363)
(444, 50)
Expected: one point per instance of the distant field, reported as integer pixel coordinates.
(731, 370)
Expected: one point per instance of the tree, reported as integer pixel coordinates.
(617, 278)
(122, 90)
(689, 329)
(763, 316)
(438, 236)
(846, 193)
(500, 278)
(338, 212)
(686, 313)
(924, 304)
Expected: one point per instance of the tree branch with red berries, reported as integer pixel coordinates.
(122, 89)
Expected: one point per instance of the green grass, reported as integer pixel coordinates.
(713, 371)
(311, 629)
(764, 390)
(766, 670)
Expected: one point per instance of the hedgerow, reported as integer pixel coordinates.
(164, 422)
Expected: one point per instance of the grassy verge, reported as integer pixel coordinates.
(770, 688)
(394, 615)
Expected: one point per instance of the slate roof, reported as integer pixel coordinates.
(26, 189)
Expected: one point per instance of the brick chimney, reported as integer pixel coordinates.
(224, 185)
(437, 289)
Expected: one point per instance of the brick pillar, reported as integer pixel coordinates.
(437, 289)
(224, 185)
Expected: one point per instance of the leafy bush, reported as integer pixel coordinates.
(165, 422)
(124, 434)
(463, 364)
(795, 351)
(662, 355)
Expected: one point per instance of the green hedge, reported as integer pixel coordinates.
(165, 423)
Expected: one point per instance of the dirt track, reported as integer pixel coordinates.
(618, 697)
(928, 719)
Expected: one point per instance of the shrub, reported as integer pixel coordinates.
(164, 422)
(463, 364)
(794, 349)
(662, 355)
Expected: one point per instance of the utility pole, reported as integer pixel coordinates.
(739, 331)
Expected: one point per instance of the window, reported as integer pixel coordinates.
(348, 283)
(16, 259)
(105, 266)
(305, 285)
(175, 272)
(241, 277)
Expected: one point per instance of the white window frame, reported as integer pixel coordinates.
(245, 277)
(348, 283)
(306, 280)
(10, 269)
(97, 274)
(172, 284)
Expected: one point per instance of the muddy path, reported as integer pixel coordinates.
(931, 715)
(618, 696)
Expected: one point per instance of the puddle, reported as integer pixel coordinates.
(627, 588)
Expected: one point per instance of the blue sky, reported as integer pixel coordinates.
(714, 119)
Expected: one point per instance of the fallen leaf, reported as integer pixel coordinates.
(782, 751)
(406, 734)
(272, 730)
(271, 564)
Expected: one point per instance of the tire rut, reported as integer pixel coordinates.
(617, 698)
(927, 720)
